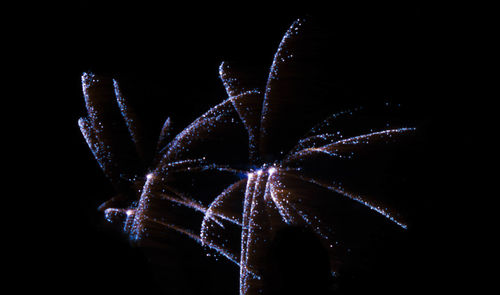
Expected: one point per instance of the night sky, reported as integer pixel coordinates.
(166, 58)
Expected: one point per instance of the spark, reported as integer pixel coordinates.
(271, 171)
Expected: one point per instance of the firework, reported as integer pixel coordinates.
(269, 180)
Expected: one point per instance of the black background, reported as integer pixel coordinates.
(166, 57)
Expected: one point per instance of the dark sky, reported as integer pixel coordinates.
(166, 58)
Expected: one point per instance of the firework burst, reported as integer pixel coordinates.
(270, 181)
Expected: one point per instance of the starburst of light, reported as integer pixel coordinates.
(263, 199)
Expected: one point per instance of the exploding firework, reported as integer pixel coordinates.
(252, 143)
